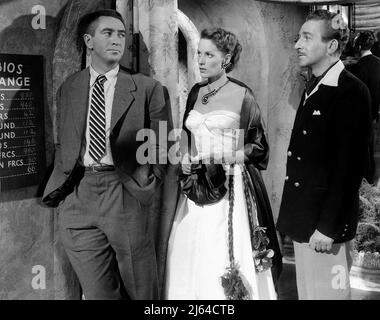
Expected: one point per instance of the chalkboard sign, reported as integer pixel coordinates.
(22, 145)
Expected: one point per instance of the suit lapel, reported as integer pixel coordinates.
(123, 97)
(79, 100)
(300, 116)
(320, 99)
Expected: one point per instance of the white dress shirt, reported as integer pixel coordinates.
(109, 91)
(330, 79)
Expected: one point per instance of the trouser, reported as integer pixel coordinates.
(105, 233)
(323, 276)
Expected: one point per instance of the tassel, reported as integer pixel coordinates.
(233, 286)
(232, 283)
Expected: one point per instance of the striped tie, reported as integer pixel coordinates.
(97, 122)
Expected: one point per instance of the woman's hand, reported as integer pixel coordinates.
(186, 164)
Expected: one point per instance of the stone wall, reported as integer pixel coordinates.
(26, 228)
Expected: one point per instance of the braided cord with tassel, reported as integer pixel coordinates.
(232, 283)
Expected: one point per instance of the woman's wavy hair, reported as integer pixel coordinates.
(226, 42)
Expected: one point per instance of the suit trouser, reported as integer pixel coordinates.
(104, 232)
(323, 276)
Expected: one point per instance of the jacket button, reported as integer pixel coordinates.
(343, 234)
(299, 158)
(286, 178)
(289, 153)
(296, 184)
(304, 132)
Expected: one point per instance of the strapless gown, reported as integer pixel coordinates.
(198, 245)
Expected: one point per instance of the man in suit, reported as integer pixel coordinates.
(367, 69)
(102, 189)
(327, 155)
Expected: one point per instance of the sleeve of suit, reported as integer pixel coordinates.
(349, 127)
(161, 124)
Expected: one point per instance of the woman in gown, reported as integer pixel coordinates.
(203, 237)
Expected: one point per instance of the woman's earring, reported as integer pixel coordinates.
(225, 65)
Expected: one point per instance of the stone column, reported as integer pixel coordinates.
(156, 21)
(125, 8)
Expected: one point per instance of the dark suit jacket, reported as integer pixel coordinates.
(368, 70)
(138, 103)
(327, 156)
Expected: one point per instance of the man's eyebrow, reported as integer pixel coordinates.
(112, 30)
(307, 33)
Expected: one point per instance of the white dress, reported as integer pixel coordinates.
(198, 244)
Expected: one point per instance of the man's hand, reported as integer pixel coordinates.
(319, 242)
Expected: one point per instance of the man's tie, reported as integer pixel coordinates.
(97, 122)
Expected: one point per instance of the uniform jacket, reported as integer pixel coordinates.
(256, 155)
(327, 156)
(138, 103)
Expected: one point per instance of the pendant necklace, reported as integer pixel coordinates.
(213, 92)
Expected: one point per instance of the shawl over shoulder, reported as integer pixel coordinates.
(256, 156)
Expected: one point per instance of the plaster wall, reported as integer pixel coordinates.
(267, 64)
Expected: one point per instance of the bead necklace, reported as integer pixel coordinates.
(213, 92)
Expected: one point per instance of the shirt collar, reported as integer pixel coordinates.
(332, 76)
(367, 53)
(110, 75)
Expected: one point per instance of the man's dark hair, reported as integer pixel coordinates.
(87, 24)
(334, 27)
(364, 40)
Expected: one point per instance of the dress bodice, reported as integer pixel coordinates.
(215, 132)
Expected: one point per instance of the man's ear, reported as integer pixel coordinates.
(333, 47)
(87, 38)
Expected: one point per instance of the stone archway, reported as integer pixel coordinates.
(191, 35)
(188, 71)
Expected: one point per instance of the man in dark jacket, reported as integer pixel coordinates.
(368, 70)
(327, 155)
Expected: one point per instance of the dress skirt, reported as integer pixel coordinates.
(198, 250)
